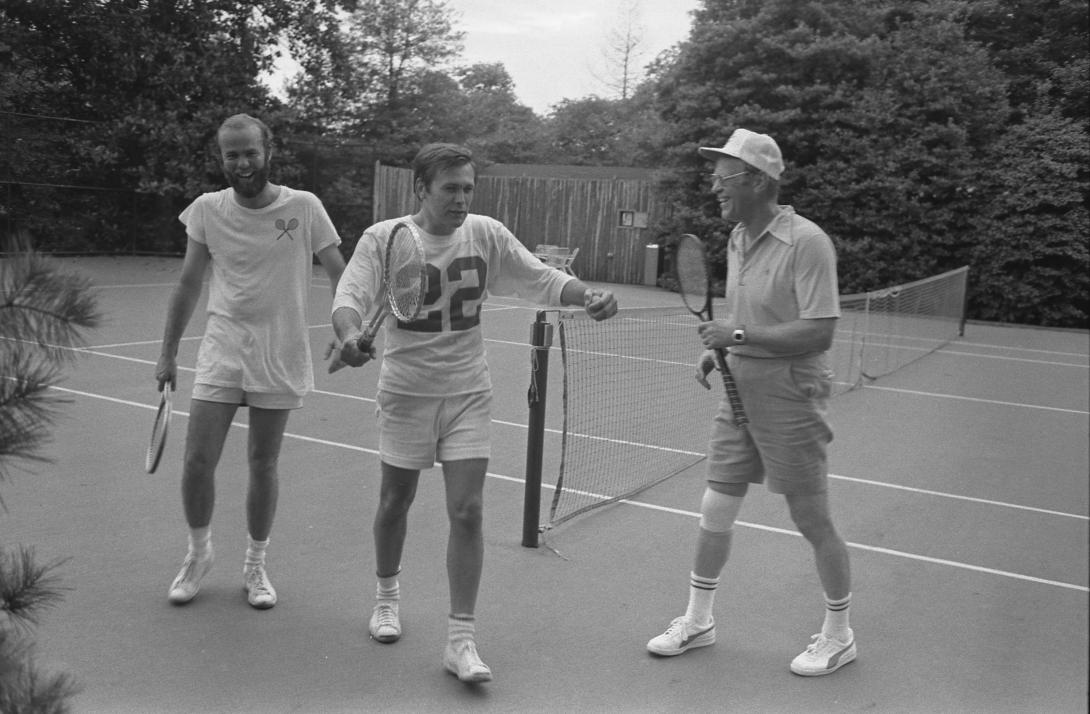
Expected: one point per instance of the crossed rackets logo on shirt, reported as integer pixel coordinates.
(286, 228)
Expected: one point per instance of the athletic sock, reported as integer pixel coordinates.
(836, 618)
(701, 598)
(200, 541)
(255, 553)
(388, 588)
(461, 627)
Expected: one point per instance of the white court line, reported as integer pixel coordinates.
(1008, 358)
(637, 504)
(984, 345)
(976, 399)
(971, 499)
(135, 285)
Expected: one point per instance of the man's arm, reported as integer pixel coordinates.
(599, 303)
(788, 338)
(331, 259)
(348, 324)
(183, 301)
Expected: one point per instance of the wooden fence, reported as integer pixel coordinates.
(609, 220)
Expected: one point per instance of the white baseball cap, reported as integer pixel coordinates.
(758, 150)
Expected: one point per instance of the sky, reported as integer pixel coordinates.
(554, 50)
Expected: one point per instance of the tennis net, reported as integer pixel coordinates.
(625, 412)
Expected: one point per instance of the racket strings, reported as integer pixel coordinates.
(406, 279)
(692, 275)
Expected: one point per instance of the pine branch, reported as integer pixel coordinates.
(27, 588)
(28, 408)
(45, 306)
(43, 314)
(22, 689)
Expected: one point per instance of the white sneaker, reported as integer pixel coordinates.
(187, 583)
(825, 655)
(259, 591)
(385, 625)
(681, 636)
(461, 660)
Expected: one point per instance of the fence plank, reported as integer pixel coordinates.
(574, 213)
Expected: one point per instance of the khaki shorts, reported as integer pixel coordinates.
(235, 395)
(785, 442)
(415, 432)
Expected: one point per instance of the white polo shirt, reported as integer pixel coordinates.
(787, 274)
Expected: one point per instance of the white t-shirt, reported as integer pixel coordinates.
(442, 353)
(256, 337)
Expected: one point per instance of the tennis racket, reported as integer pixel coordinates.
(404, 282)
(693, 275)
(159, 430)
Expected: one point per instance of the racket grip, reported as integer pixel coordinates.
(735, 399)
(368, 337)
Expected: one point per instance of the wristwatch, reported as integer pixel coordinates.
(738, 337)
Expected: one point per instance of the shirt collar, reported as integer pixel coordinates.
(779, 228)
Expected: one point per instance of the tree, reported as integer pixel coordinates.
(155, 78)
(622, 52)
(1042, 48)
(361, 70)
(1031, 264)
(489, 118)
(881, 110)
(42, 315)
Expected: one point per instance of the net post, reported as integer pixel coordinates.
(540, 341)
(964, 302)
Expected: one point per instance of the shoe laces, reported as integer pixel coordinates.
(384, 613)
(679, 626)
(189, 568)
(257, 581)
(821, 641)
(466, 651)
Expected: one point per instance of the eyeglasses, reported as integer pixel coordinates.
(720, 178)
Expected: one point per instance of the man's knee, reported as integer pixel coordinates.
(811, 516)
(719, 510)
(467, 513)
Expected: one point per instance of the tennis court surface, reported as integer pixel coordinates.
(960, 482)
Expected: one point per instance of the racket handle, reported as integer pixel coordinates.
(364, 341)
(368, 336)
(740, 418)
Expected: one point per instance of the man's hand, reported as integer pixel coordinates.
(353, 352)
(714, 334)
(166, 372)
(704, 366)
(600, 304)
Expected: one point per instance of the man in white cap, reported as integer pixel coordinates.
(782, 308)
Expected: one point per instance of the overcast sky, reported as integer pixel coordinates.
(553, 50)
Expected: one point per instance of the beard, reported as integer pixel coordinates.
(252, 186)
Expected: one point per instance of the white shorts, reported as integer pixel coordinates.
(235, 395)
(415, 432)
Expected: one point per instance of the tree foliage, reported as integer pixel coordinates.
(154, 77)
(895, 126)
(44, 313)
